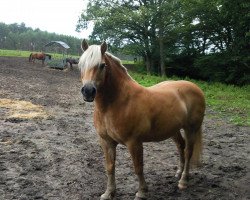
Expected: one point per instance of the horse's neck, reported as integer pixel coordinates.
(114, 88)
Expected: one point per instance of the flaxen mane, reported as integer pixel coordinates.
(90, 58)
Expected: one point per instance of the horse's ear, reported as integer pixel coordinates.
(104, 47)
(85, 45)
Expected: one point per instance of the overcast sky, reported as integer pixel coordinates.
(59, 16)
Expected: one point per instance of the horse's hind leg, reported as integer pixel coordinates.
(193, 141)
(109, 149)
(180, 143)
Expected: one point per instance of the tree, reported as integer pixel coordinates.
(184, 35)
(141, 23)
(222, 32)
(18, 36)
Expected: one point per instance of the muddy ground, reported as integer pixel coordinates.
(57, 156)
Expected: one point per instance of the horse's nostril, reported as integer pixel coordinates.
(93, 91)
(88, 91)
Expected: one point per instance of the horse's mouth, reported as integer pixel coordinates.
(90, 99)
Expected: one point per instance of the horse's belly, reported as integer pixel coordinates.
(160, 133)
(165, 124)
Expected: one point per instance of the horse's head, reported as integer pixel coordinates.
(92, 65)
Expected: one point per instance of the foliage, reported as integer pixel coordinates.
(215, 33)
(134, 23)
(223, 67)
(19, 37)
(229, 101)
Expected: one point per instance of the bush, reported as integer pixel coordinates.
(182, 66)
(223, 67)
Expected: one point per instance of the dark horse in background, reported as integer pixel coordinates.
(39, 56)
(72, 61)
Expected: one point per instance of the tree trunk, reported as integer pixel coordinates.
(162, 65)
(148, 64)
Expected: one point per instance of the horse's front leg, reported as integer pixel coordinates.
(136, 151)
(109, 149)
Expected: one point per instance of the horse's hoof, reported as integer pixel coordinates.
(182, 185)
(140, 196)
(105, 198)
(109, 196)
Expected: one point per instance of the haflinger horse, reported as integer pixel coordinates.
(130, 114)
(39, 56)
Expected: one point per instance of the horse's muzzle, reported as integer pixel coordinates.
(88, 92)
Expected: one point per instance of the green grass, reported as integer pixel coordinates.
(128, 62)
(230, 102)
(14, 53)
(17, 53)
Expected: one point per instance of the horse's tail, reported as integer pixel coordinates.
(30, 57)
(197, 149)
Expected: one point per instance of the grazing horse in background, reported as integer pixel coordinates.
(130, 114)
(72, 61)
(39, 56)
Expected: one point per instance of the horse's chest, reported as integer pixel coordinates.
(111, 127)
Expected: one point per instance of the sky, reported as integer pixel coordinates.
(58, 16)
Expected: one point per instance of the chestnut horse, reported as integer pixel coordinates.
(130, 114)
(39, 56)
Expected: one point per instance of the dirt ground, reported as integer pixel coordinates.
(53, 153)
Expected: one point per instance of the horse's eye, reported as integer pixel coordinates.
(102, 65)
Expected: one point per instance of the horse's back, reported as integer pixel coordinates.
(183, 89)
(174, 84)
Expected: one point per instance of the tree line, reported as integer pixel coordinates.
(201, 39)
(19, 37)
